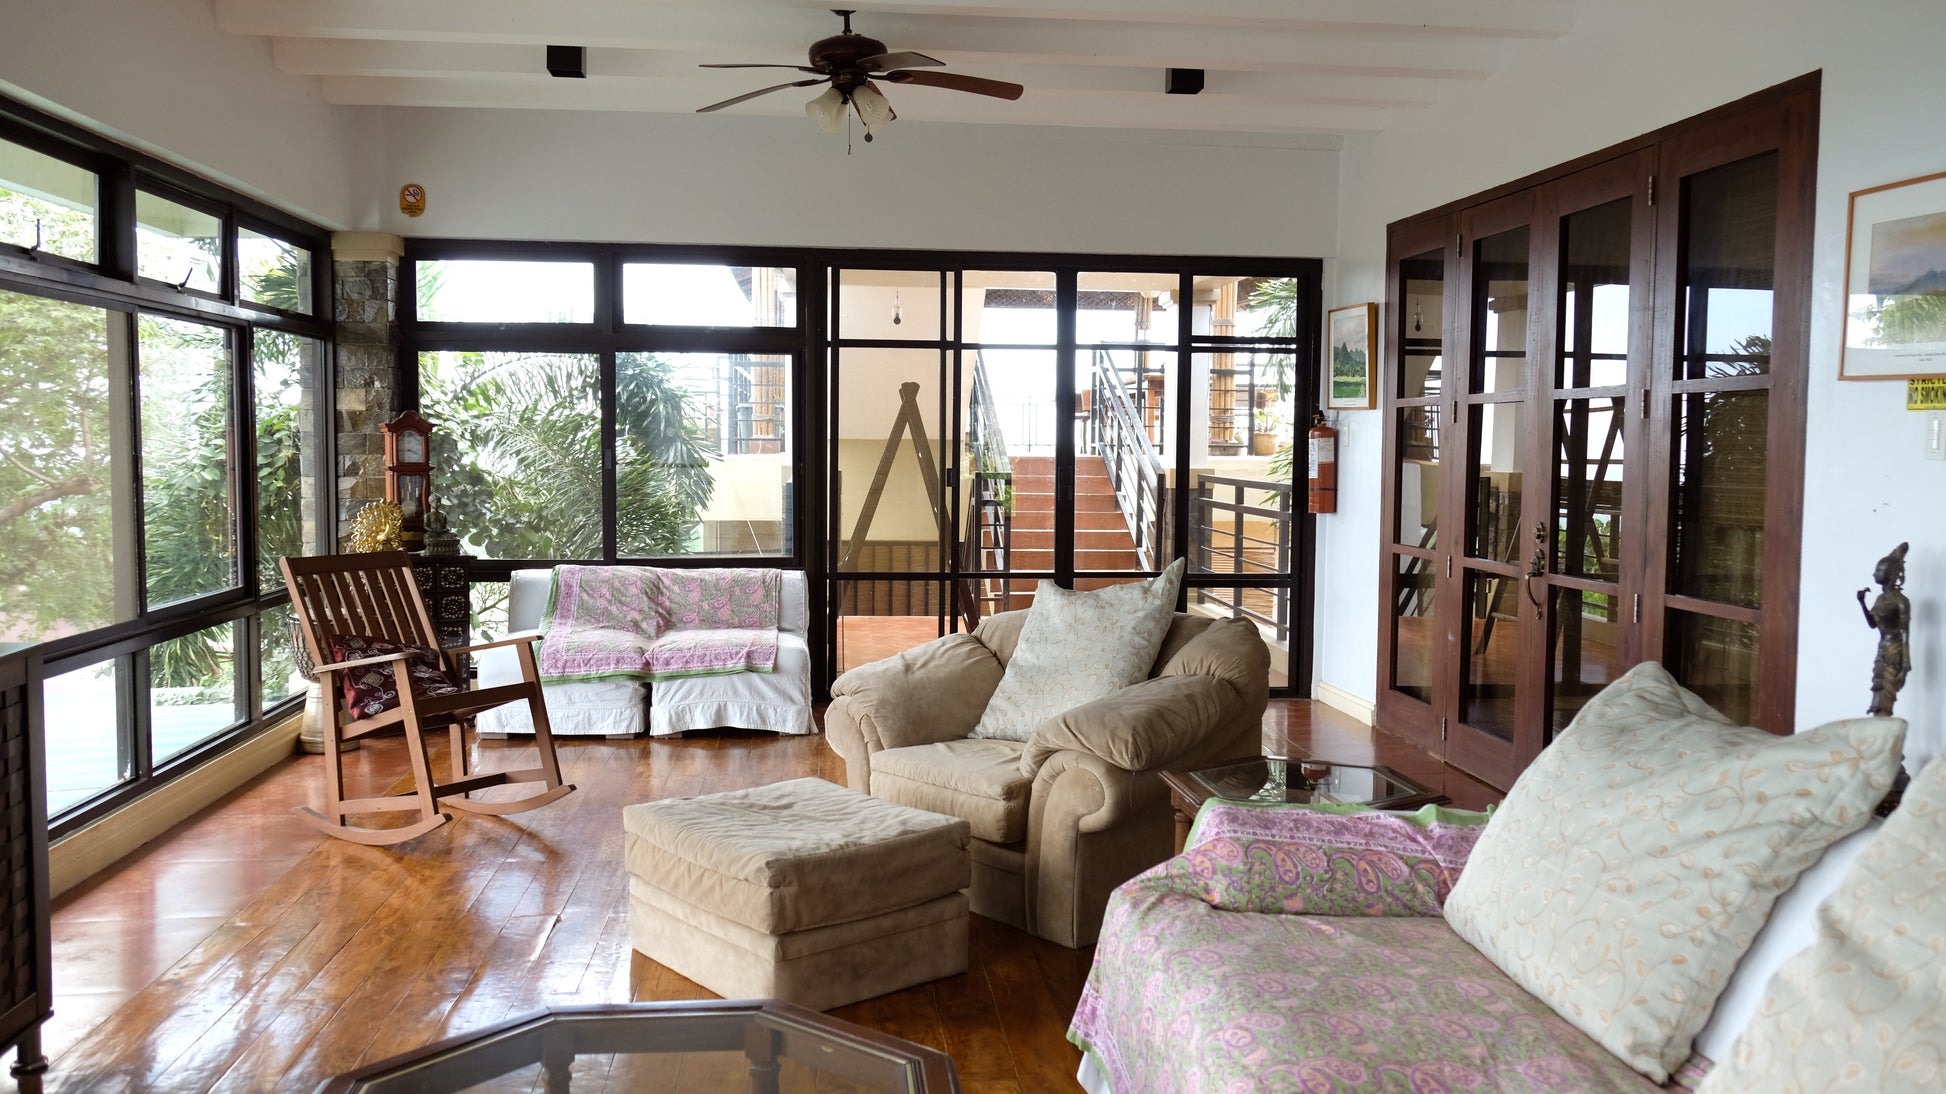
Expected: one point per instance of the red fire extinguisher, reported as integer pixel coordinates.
(1324, 465)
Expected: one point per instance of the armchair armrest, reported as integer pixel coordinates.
(361, 662)
(1145, 726)
(510, 640)
(929, 693)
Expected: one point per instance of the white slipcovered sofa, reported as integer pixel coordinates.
(778, 701)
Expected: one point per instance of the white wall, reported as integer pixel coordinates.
(158, 76)
(1624, 70)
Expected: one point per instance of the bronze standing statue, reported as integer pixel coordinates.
(1889, 615)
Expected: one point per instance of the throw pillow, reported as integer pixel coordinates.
(370, 689)
(1076, 647)
(1634, 860)
(1864, 1008)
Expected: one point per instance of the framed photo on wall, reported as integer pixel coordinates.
(1349, 355)
(1895, 282)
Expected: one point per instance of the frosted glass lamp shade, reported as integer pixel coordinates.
(828, 110)
(872, 108)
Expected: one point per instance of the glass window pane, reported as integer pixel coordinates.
(877, 619)
(84, 718)
(276, 657)
(703, 460)
(1499, 443)
(1717, 541)
(1242, 526)
(892, 304)
(1594, 297)
(452, 290)
(46, 203)
(1415, 626)
(1421, 315)
(1493, 610)
(61, 481)
(1585, 650)
(1136, 383)
(1718, 660)
(178, 244)
(1266, 307)
(273, 272)
(709, 296)
(1008, 307)
(1128, 307)
(1728, 268)
(188, 496)
(287, 367)
(1269, 609)
(1500, 312)
(881, 395)
(1588, 486)
(1418, 499)
(517, 449)
(192, 689)
(490, 610)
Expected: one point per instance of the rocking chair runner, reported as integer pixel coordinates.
(374, 596)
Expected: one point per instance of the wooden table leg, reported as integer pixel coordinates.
(1182, 830)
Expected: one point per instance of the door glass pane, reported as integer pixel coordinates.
(1418, 515)
(188, 497)
(682, 294)
(1584, 650)
(1588, 486)
(702, 454)
(517, 450)
(1007, 502)
(46, 202)
(84, 718)
(1245, 403)
(895, 304)
(1241, 526)
(287, 369)
(1493, 606)
(885, 492)
(877, 619)
(1114, 386)
(1499, 443)
(178, 244)
(271, 271)
(1128, 307)
(192, 689)
(1500, 312)
(1421, 314)
(1729, 268)
(1121, 475)
(1718, 660)
(1008, 307)
(451, 290)
(1717, 542)
(1415, 626)
(1594, 297)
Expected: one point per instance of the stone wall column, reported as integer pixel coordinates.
(369, 384)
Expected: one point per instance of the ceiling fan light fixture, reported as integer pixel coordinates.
(871, 104)
(827, 110)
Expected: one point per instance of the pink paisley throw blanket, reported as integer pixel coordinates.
(644, 623)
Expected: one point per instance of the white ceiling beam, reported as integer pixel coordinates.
(1495, 18)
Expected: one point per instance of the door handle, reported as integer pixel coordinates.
(1536, 567)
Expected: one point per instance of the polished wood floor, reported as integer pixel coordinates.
(244, 951)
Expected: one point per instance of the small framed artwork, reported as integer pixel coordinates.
(1895, 282)
(1349, 352)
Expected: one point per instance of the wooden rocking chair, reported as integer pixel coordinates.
(374, 597)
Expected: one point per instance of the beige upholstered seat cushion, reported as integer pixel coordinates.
(1864, 1008)
(976, 779)
(1635, 859)
(795, 855)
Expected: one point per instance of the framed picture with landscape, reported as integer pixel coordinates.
(1895, 282)
(1348, 340)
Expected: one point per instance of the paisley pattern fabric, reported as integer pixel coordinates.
(1324, 860)
(1076, 647)
(372, 689)
(604, 622)
(1864, 1008)
(1185, 998)
(1635, 859)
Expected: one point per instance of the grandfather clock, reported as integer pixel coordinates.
(408, 475)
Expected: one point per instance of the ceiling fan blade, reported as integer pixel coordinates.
(999, 89)
(799, 68)
(884, 62)
(754, 94)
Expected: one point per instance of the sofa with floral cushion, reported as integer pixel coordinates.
(1664, 901)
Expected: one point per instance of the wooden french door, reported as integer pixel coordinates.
(1593, 452)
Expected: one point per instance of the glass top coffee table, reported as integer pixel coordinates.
(1277, 780)
(763, 1046)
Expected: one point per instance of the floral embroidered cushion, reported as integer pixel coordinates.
(1076, 647)
(1634, 861)
(371, 689)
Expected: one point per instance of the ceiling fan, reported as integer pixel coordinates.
(850, 62)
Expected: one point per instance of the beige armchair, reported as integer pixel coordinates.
(1060, 820)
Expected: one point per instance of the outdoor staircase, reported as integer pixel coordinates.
(1101, 538)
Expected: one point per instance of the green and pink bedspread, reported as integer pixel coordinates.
(648, 623)
(1207, 980)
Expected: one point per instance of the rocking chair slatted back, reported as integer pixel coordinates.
(367, 596)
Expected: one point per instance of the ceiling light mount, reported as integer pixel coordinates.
(567, 62)
(1183, 81)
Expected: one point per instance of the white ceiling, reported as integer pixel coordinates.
(1297, 67)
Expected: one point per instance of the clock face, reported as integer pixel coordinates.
(412, 447)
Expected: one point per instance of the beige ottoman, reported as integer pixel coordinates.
(801, 890)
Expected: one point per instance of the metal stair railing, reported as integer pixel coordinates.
(986, 544)
(1116, 433)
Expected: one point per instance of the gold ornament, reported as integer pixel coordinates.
(376, 527)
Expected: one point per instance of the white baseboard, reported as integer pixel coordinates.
(83, 853)
(1344, 701)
